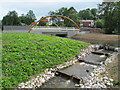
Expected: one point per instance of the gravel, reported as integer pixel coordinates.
(99, 77)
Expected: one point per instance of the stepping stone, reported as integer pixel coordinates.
(94, 58)
(77, 71)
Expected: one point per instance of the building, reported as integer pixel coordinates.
(87, 23)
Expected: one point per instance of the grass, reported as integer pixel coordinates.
(27, 54)
(114, 71)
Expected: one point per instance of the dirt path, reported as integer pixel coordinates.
(98, 38)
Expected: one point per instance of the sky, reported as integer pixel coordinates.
(42, 7)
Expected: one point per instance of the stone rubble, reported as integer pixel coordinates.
(93, 81)
(99, 77)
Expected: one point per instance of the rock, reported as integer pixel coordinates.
(117, 49)
(108, 84)
(111, 80)
(102, 56)
(42, 80)
(77, 85)
(80, 85)
(105, 78)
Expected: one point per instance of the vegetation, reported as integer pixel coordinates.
(113, 71)
(28, 54)
(12, 18)
(88, 14)
(42, 23)
(106, 16)
(74, 15)
(99, 23)
(110, 13)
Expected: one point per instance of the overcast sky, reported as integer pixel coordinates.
(42, 7)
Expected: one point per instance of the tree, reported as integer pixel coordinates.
(28, 18)
(71, 13)
(110, 12)
(42, 23)
(85, 14)
(31, 15)
(11, 19)
(94, 13)
(99, 23)
(118, 17)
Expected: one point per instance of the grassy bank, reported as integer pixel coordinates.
(113, 70)
(28, 54)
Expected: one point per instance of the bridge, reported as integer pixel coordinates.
(56, 31)
(66, 31)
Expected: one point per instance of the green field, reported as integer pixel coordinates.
(27, 54)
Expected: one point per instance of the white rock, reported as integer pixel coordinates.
(42, 80)
(92, 74)
(80, 84)
(105, 77)
(111, 80)
(108, 83)
(102, 56)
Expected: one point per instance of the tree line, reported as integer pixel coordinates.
(107, 16)
(73, 14)
(12, 18)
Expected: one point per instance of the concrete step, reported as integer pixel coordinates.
(77, 71)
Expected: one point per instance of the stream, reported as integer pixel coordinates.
(70, 76)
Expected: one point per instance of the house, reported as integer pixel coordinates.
(87, 23)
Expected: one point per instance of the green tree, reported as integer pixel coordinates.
(118, 17)
(110, 12)
(59, 20)
(85, 14)
(99, 23)
(31, 15)
(42, 23)
(11, 19)
(71, 13)
(23, 19)
(94, 13)
(28, 18)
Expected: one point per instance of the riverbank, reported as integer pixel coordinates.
(25, 55)
(49, 73)
(99, 78)
(99, 38)
(113, 70)
(111, 39)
